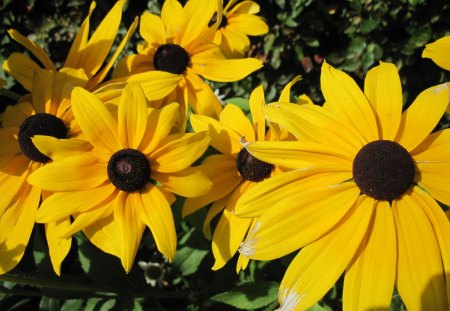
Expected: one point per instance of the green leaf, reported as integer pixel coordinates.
(72, 305)
(318, 307)
(240, 102)
(191, 252)
(249, 296)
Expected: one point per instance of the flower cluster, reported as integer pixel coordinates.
(357, 185)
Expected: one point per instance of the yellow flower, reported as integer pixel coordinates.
(44, 112)
(177, 43)
(360, 198)
(125, 182)
(239, 20)
(233, 172)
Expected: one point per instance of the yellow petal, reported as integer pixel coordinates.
(438, 51)
(221, 170)
(285, 95)
(93, 55)
(422, 116)
(213, 211)
(441, 226)
(95, 120)
(200, 96)
(346, 100)
(63, 83)
(172, 16)
(22, 69)
(178, 154)
(152, 29)
(369, 280)
(268, 193)
(249, 24)
(225, 70)
(190, 182)
(80, 172)
(103, 234)
(129, 226)
(31, 46)
(42, 91)
(244, 7)
(233, 117)
(57, 248)
(257, 102)
(234, 43)
(16, 225)
(420, 275)
(155, 212)
(132, 116)
(228, 235)
(324, 259)
(156, 84)
(383, 88)
(61, 205)
(298, 220)
(223, 138)
(59, 149)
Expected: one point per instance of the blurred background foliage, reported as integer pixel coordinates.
(351, 35)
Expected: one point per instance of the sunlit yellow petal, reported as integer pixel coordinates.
(58, 248)
(249, 24)
(152, 29)
(420, 276)
(155, 212)
(95, 120)
(58, 149)
(233, 117)
(369, 280)
(256, 102)
(21, 68)
(42, 91)
(422, 116)
(172, 16)
(200, 96)
(438, 52)
(225, 70)
(383, 88)
(156, 84)
(325, 259)
(103, 234)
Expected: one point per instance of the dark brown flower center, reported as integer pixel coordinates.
(171, 58)
(129, 170)
(213, 20)
(39, 124)
(251, 168)
(383, 170)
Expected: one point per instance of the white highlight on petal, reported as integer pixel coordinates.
(247, 248)
(290, 300)
(441, 87)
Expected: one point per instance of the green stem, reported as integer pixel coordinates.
(10, 94)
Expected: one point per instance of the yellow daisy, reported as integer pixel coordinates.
(360, 198)
(178, 43)
(233, 171)
(125, 182)
(239, 20)
(44, 112)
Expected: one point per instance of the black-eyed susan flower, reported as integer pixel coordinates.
(361, 198)
(233, 171)
(178, 43)
(126, 182)
(239, 20)
(43, 112)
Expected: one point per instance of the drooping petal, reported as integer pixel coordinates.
(438, 52)
(345, 99)
(16, 225)
(298, 220)
(58, 248)
(213, 211)
(75, 173)
(369, 280)
(103, 234)
(383, 88)
(95, 120)
(178, 154)
(221, 170)
(233, 117)
(422, 116)
(22, 69)
(420, 276)
(190, 182)
(223, 138)
(59, 149)
(59, 206)
(132, 116)
(267, 193)
(155, 212)
(324, 259)
(31, 46)
(200, 96)
(129, 226)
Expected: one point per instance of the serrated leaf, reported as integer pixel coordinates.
(249, 296)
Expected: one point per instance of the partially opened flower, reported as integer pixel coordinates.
(360, 198)
(125, 183)
(233, 172)
(178, 43)
(239, 20)
(44, 112)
